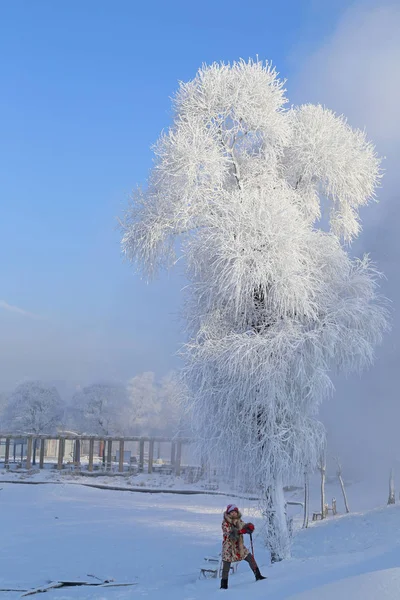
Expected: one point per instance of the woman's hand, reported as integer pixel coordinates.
(248, 528)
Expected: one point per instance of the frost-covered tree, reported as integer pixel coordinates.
(33, 407)
(276, 302)
(3, 405)
(103, 409)
(157, 407)
(173, 396)
(143, 396)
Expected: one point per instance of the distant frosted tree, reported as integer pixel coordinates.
(3, 405)
(144, 398)
(103, 409)
(157, 407)
(275, 302)
(33, 407)
(173, 396)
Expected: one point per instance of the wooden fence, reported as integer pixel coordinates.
(106, 445)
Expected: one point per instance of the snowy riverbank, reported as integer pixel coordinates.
(159, 541)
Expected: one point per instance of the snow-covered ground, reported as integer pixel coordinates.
(158, 541)
(140, 482)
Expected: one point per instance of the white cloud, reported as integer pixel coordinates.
(16, 309)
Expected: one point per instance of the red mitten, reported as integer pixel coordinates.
(250, 527)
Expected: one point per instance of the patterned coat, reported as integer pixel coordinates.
(233, 548)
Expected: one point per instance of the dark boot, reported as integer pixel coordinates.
(224, 584)
(258, 575)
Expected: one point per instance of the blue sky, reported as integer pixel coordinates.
(85, 91)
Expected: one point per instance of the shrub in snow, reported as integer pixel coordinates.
(275, 302)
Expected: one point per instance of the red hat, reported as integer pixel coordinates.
(230, 508)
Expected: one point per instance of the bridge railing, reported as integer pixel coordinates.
(93, 452)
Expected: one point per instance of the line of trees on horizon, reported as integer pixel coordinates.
(141, 406)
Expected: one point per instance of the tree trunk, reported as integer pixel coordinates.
(306, 500)
(344, 494)
(339, 474)
(277, 532)
(322, 469)
(392, 495)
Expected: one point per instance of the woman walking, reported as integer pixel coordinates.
(233, 548)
